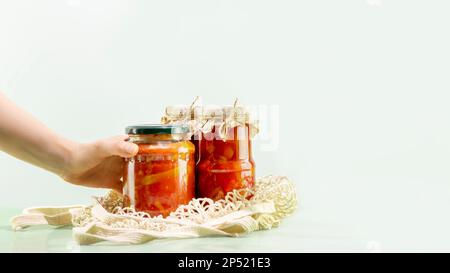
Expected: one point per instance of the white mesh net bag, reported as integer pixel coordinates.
(242, 211)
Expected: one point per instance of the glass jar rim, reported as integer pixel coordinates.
(157, 129)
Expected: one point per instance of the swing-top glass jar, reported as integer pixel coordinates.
(161, 176)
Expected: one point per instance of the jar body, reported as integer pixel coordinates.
(161, 176)
(225, 163)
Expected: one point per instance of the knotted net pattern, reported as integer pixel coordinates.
(241, 211)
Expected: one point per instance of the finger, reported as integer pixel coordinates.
(119, 146)
(120, 138)
(124, 149)
(117, 186)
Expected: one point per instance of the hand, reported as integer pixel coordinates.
(99, 164)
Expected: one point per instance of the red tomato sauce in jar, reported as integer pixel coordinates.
(225, 163)
(161, 177)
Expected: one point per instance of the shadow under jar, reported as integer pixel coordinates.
(161, 176)
(225, 162)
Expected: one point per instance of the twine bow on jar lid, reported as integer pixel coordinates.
(205, 118)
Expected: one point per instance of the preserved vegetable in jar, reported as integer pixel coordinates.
(161, 176)
(225, 161)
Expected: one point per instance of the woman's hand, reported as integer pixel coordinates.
(99, 164)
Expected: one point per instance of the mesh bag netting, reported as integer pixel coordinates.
(240, 212)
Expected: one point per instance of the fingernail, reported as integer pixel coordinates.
(132, 148)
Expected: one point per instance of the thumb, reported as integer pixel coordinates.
(120, 147)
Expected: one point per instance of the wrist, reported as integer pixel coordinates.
(68, 150)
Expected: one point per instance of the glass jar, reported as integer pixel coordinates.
(161, 176)
(225, 162)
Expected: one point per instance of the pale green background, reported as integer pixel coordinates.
(363, 89)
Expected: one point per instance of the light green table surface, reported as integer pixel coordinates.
(296, 234)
